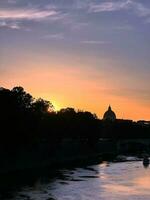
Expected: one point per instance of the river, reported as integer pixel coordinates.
(106, 181)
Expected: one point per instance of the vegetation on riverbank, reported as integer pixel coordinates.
(30, 128)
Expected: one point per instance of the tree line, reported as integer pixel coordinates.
(27, 122)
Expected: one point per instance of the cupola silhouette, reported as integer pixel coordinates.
(109, 115)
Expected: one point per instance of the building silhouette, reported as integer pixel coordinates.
(109, 115)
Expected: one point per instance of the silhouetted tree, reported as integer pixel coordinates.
(42, 106)
(23, 99)
(26, 124)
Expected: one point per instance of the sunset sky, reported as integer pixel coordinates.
(84, 54)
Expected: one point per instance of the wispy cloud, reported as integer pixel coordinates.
(99, 42)
(80, 4)
(12, 1)
(69, 5)
(125, 27)
(26, 14)
(57, 36)
(137, 8)
(109, 6)
(11, 25)
(79, 25)
(140, 9)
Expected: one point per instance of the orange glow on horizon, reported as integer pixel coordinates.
(79, 87)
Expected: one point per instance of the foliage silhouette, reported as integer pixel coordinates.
(31, 125)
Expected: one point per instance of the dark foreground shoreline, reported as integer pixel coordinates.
(33, 135)
(13, 180)
(71, 153)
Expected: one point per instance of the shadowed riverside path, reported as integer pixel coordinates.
(114, 181)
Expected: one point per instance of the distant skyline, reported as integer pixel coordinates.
(84, 54)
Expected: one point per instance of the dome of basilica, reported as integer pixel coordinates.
(109, 115)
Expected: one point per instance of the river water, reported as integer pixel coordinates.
(106, 181)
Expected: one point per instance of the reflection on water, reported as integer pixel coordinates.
(125, 180)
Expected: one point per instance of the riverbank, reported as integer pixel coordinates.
(69, 153)
(75, 181)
